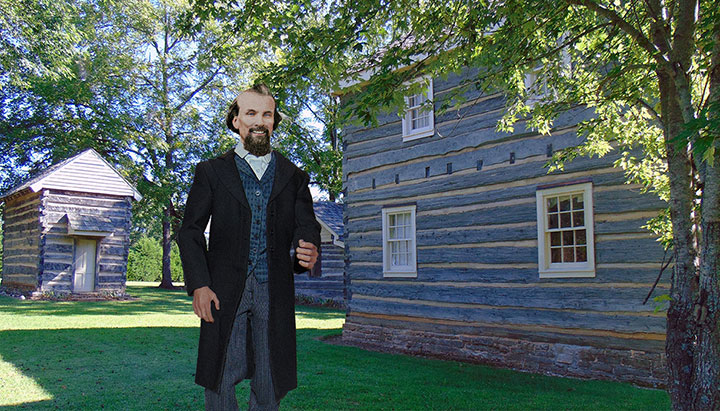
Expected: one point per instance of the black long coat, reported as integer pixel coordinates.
(217, 190)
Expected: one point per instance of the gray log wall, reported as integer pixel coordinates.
(477, 257)
(21, 242)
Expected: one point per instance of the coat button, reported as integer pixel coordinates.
(258, 193)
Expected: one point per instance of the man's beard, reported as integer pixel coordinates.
(257, 145)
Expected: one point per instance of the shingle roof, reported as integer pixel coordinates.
(331, 214)
(85, 171)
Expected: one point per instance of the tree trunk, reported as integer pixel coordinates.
(680, 329)
(166, 281)
(167, 129)
(706, 366)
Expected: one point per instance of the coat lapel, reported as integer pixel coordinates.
(283, 172)
(230, 176)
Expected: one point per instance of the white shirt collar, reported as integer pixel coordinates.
(258, 164)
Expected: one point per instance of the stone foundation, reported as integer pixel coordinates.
(637, 367)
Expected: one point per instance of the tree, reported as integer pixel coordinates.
(650, 71)
(184, 82)
(130, 83)
(301, 83)
(61, 93)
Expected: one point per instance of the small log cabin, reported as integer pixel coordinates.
(326, 280)
(67, 229)
(461, 245)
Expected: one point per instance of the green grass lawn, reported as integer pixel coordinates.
(140, 355)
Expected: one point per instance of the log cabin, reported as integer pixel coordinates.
(67, 229)
(460, 244)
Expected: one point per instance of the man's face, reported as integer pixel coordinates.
(255, 119)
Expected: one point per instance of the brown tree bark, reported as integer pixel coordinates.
(167, 126)
(706, 364)
(680, 332)
(166, 281)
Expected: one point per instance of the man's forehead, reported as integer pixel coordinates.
(255, 100)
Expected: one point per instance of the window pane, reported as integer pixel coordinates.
(555, 238)
(392, 233)
(580, 237)
(565, 203)
(423, 121)
(553, 221)
(567, 238)
(565, 220)
(391, 220)
(552, 204)
(403, 259)
(555, 254)
(581, 254)
(578, 218)
(577, 202)
(420, 99)
(568, 254)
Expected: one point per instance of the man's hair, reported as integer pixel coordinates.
(233, 111)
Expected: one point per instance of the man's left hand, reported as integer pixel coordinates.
(307, 254)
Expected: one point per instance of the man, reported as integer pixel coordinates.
(242, 283)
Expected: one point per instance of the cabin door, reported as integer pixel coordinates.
(84, 278)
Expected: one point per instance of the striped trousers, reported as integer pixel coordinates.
(251, 317)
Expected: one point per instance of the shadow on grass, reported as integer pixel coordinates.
(111, 368)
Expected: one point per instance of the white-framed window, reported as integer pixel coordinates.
(399, 248)
(566, 246)
(537, 88)
(419, 119)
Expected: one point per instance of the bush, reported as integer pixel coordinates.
(145, 261)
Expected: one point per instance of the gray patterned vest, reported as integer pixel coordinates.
(257, 193)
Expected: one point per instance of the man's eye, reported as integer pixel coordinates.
(268, 114)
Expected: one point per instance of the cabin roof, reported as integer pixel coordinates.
(332, 215)
(87, 171)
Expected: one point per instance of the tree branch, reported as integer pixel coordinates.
(198, 89)
(628, 28)
(651, 110)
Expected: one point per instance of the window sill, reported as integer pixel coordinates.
(418, 134)
(567, 274)
(400, 274)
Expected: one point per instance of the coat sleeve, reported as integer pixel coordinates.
(191, 237)
(306, 226)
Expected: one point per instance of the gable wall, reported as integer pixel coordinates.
(112, 250)
(477, 239)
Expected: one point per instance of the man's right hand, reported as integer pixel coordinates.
(202, 298)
